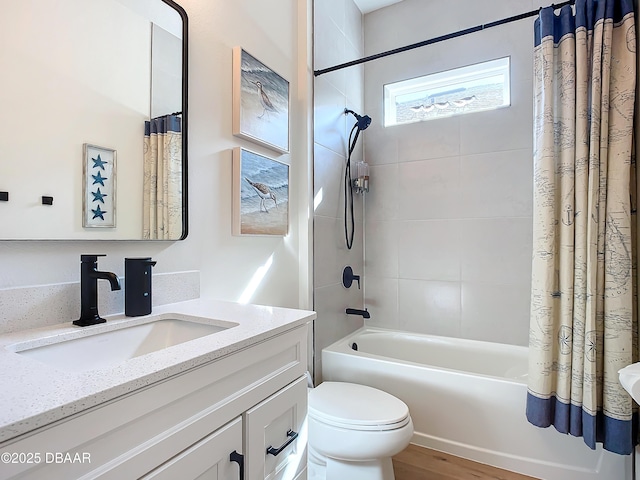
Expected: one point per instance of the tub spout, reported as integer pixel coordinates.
(355, 311)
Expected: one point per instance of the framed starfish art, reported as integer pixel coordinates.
(260, 194)
(260, 103)
(99, 187)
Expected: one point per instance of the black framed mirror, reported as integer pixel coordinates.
(93, 142)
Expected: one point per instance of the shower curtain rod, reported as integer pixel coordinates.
(459, 33)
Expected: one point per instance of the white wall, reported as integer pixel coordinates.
(337, 39)
(449, 215)
(275, 31)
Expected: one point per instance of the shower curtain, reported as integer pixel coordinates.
(162, 202)
(583, 300)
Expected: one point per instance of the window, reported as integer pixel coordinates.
(474, 88)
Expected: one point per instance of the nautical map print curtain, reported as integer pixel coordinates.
(162, 202)
(583, 317)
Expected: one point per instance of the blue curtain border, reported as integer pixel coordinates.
(588, 13)
(167, 123)
(617, 436)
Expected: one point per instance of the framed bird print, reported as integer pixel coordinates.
(99, 187)
(260, 103)
(260, 194)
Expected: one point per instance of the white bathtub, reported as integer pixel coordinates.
(467, 398)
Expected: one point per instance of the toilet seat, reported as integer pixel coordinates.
(357, 407)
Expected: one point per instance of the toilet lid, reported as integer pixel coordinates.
(357, 407)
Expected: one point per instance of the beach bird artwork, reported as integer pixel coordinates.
(260, 102)
(267, 105)
(260, 194)
(264, 193)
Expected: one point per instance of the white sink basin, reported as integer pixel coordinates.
(108, 349)
(630, 379)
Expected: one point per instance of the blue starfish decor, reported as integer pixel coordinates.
(99, 179)
(99, 187)
(98, 196)
(98, 162)
(97, 213)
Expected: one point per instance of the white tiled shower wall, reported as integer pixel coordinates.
(337, 39)
(448, 220)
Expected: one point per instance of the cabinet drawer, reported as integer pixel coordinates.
(275, 434)
(209, 458)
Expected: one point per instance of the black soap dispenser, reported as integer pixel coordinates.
(137, 286)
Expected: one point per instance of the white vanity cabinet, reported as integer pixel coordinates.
(188, 425)
(209, 458)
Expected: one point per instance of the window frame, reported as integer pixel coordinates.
(441, 80)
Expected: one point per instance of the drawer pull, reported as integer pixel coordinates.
(239, 459)
(276, 451)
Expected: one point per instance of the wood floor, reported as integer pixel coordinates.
(417, 463)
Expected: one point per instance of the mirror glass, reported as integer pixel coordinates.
(93, 142)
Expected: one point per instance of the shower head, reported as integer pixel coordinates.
(363, 121)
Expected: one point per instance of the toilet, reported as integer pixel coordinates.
(354, 430)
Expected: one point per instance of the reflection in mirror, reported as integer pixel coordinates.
(108, 73)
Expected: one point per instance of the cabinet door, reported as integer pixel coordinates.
(208, 459)
(275, 434)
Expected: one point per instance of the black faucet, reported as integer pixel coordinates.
(89, 276)
(355, 311)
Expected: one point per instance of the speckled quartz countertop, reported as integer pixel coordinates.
(34, 394)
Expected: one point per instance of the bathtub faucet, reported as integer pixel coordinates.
(355, 311)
